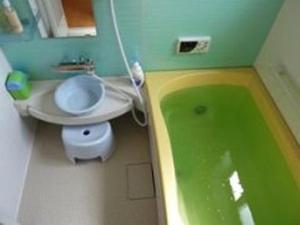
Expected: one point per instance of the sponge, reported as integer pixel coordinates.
(18, 86)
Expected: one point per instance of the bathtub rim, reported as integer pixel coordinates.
(160, 84)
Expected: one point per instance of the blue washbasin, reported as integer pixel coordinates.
(79, 95)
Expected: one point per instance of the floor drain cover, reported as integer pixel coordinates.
(140, 181)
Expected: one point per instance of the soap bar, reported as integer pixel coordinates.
(18, 85)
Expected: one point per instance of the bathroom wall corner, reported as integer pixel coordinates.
(16, 143)
(278, 64)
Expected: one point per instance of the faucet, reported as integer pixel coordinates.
(82, 65)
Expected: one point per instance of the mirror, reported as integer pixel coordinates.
(64, 18)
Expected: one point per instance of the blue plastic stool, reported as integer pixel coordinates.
(88, 141)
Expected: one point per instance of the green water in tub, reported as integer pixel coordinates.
(229, 168)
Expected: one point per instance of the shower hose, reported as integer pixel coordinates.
(137, 88)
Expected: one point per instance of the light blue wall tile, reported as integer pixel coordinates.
(150, 29)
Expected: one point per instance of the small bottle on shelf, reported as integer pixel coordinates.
(12, 17)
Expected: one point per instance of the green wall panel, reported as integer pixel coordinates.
(150, 29)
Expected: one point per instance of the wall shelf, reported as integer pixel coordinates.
(41, 104)
(26, 35)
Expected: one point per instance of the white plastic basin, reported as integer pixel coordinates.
(79, 95)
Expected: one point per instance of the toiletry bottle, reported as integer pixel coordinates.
(12, 17)
(138, 74)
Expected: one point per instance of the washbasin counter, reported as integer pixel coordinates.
(41, 104)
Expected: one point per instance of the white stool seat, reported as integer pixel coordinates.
(88, 141)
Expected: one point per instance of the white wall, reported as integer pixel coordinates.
(16, 140)
(279, 64)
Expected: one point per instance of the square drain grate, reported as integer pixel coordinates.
(140, 181)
